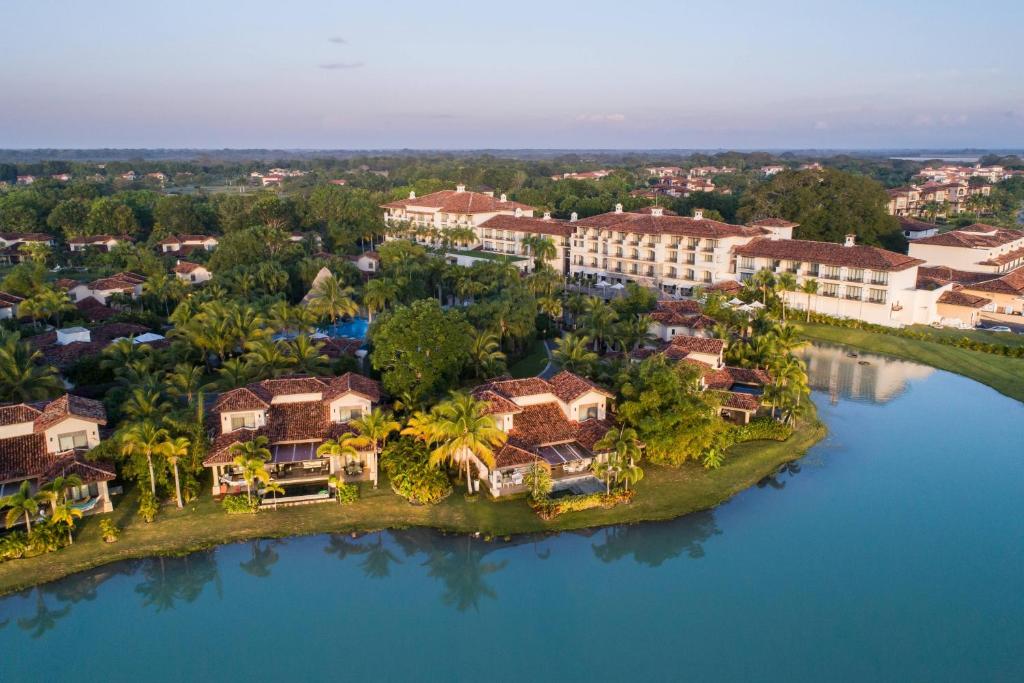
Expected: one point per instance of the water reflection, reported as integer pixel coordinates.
(262, 558)
(653, 543)
(169, 580)
(463, 570)
(844, 373)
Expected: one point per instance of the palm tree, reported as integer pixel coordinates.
(146, 439)
(330, 299)
(550, 306)
(345, 446)
(374, 428)
(764, 280)
(486, 356)
(542, 248)
(22, 378)
(21, 504)
(464, 430)
(623, 445)
(57, 488)
(273, 488)
(145, 403)
(786, 283)
(572, 353)
(577, 303)
(634, 332)
(605, 469)
(629, 474)
(267, 359)
(122, 353)
(253, 470)
(234, 373)
(66, 515)
(378, 294)
(256, 448)
(305, 356)
(810, 288)
(184, 382)
(174, 450)
(600, 323)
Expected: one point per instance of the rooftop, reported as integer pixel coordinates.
(829, 253)
(458, 201)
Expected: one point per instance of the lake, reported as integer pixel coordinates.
(894, 551)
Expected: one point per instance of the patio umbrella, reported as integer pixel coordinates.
(618, 285)
(601, 283)
(735, 302)
(757, 304)
(745, 308)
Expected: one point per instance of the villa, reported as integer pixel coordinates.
(977, 248)
(9, 305)
(914, 229)
(296, 415)
(11, 243)
(100, 242)
(127, 283)
(192, 273)
(183, 245)
(550, 423)
(44, 440)
(672, 318)
(740, 390)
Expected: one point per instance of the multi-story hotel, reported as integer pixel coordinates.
(944, 198)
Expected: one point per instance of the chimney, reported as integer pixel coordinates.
(573, 217)
(698, 214)
(504, 197)
(547, 215)
(851, 240)
(519, 212)
(656, 210)
(412, 195)
(460, 188)
(618, 208)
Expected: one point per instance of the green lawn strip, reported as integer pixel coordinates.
(983, 336)
(532, 363)
(664, 493)
(1005, 375)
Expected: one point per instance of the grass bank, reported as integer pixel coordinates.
(1005, 375)
(664, 493)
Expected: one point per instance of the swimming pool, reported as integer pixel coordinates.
(353, 329)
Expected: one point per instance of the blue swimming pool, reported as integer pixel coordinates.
(353, 329)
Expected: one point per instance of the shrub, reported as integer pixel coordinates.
(148, 506)
(13, 546)
(762, 429)
(405, 462)
(347, 493)
(240, 505)
(109, 531)
(549, 508)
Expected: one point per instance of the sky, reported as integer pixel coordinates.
(740, 74)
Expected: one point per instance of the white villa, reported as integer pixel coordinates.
(43, 440)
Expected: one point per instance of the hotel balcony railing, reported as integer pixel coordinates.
(832, 295)
(881, 283)
(875, 300)
(854, 279)
(853, 297)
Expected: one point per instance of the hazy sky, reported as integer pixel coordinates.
(600, 73)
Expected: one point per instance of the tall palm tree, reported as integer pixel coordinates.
(254, 470)
(174, 450)
(234, 373)
(257, 448)
(764, 281)
(147, 440)
(550, 306)
(21, 504)
(605, 469)
(22, 378)
(572, 353)
(374, 428)
(145, 403)
(600, 323)
(59, 485)
(330, 299)
(465, 429)
(378, 294)
(184, 382)
(305, 356)
(786, 283)
(486, 356)
(267, 359)
(810, 288)
(622, 442)
(66, 515)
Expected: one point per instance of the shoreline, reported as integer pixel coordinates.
(665, 493)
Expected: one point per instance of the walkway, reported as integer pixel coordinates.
(550, 369)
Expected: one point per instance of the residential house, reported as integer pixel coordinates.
(101, 242)
(9, 305)
(553, 424)
(367, 262)
(12, 242)
(103, 288)
(976, 248)
(773, 169)
(296, 415)
(1005, 291)
(672, 318)
(914, 229)
(583, 175)
(183, 245)
(43, 440)
(505, 234)
(663, 171)
(740, 390)
(64, 347)
(192, 273)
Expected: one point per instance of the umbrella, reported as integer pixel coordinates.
(735, 302)
(757, 304)
(618, 285)
(745, 308)
(601, 283)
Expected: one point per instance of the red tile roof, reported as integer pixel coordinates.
(568, 386)
(956, 297)
(453, 201)
(829, 253)
(24, 457)
(773, 223)
(689, 344)
(914, 225)
(9, 300)
(526, 224)
(541, 424)
(186, 267)
(70, 405)
(977, 236)
(648, 224)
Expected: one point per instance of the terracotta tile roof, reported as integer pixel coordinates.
(511, 455)
(452, 201)
(24, 457)
(726, 286)
(259, 395)
(66, 283)
(913, 225)
(220, 450)
(977, 236)
(1010, 283)
(9, 300)
(336, 347)
(89, 471)
(675, 312)
(186, 267)
(689, 344)
(120, 282)
(541, 424)
(652, 209)
(65, 355)
(537, 226)
(18, 413)
(932, 277)
(755, 376)
(740, 401)
(70, 405)
(648, 224)
(26, 237)
(1003, 259)
(568, 386)
(773, 223)
(829, 253)
(515, 388)
(496, 403)
(355, 383)
(955, 297)
(94, 311)
(93, 239)
(242, 398)
(306, 421)
(591, 431)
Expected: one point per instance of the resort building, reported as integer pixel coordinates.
(550, 423)
(127, 283)
(769, 171)
(428, 216)
(509, 234)
(192, 273)
(941, 199)
(664, 171)
(1005, 292)
(183, 245)
(977, 248)
(11, 244)
(583, 175)
(670, 319)
(44, 440)
(914, 229)
(100, 242)
(854, 281)
(296, 415)
(9, 305)
(660, 250)
(367, 262)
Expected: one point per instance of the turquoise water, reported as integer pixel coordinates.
(894, 551)
(353, 329)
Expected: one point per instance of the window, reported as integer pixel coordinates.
(247, 421)
(708, 258)
(589, 412)
(830, 272)
(855, 274)
(747, 263)
(880, 278)
(876, 296)
(689, 273)
(854, 293)
(66, 442)
(351, 414)
(829, 289)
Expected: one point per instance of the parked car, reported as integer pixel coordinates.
(997, 328)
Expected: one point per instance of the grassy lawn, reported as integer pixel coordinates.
(664, 493)
(490, 256)
(532, 363)
(1004, 338)
(1005, 375)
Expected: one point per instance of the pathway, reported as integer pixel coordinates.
(550, 369)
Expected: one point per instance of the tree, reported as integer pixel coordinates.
(57, 488)
(305, 356)
(331, 299)
(374, 429)
(606, 469)
(600, 323)
(22, 378)
(786, 283)
(465, 429)
(253, 471)
(147, 440)
(486, 356)
(572, 353)
(542, 248)
(378, 294)
(538, 480)
(174, 450)
(810, 288)
(420, 349)
(21, 504)
(764, 281)
(66, 515)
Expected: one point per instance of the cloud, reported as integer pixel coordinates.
(601, 118)
(337, 40)
(341, 65)
(821, 125)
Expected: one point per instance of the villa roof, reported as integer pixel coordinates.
(9, 300)
(650, 224)
(955, 297)
(455, 201)
(527, 224)
(725, 286)
(305, 421)
(24, 457)
(496, 403)
(773, 223)
(740, 401)
(186, 267)
(568, 386)
(120, 282)
(511, 455)
(675, 312)
(17, 413)
(1009, 283)
(829, 253)
(93, 310)
(689, 344)
(26, 236)
(976, 236)
(542, 424)
(89, 471)
(914, 225)
(70, 405)
(220, 450)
